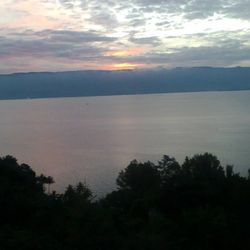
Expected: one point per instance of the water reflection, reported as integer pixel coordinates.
(70, 140)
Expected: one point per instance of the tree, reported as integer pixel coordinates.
(78, 194)
(203, 167)
(45, 180)
(49, 181)
(229, 171)
(168, 167)
(139, 177)
(83, 191)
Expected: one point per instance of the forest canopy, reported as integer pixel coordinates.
(198, 204)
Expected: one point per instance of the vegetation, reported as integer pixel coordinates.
(195, 205)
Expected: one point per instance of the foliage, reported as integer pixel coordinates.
(195, 205)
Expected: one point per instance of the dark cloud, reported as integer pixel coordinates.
(240, 9)
(213, 56)
(60, 43)
(73, 36)
(229, 52)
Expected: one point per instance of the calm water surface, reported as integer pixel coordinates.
(93, 138)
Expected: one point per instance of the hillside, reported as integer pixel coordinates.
(95, 83)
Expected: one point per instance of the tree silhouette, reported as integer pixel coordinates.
(139, 177)
(195, 205)
(45, 180)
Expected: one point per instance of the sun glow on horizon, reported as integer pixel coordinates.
(126, 66)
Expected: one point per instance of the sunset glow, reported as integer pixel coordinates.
(127, 52)
(125, 66)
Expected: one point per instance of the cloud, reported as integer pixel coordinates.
(198, 9)
(104, 18)
(53, 43)
(91, 49)
(153, 40)
(73, 36)
(218, 49)
(99, 34)
(67, 3)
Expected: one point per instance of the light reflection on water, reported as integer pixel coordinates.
(93, 138)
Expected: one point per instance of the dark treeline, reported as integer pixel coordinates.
(195, 205)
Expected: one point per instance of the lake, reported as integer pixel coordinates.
(92, 138)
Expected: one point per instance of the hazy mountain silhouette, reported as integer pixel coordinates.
(97, 82)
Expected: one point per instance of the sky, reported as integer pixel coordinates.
(60, 35)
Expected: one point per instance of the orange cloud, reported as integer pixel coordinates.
(126, 66)
(128, 52)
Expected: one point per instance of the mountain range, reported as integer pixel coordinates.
(123, 82)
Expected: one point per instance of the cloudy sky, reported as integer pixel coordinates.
(58, 35)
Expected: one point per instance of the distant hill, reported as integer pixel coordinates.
(95, 83)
